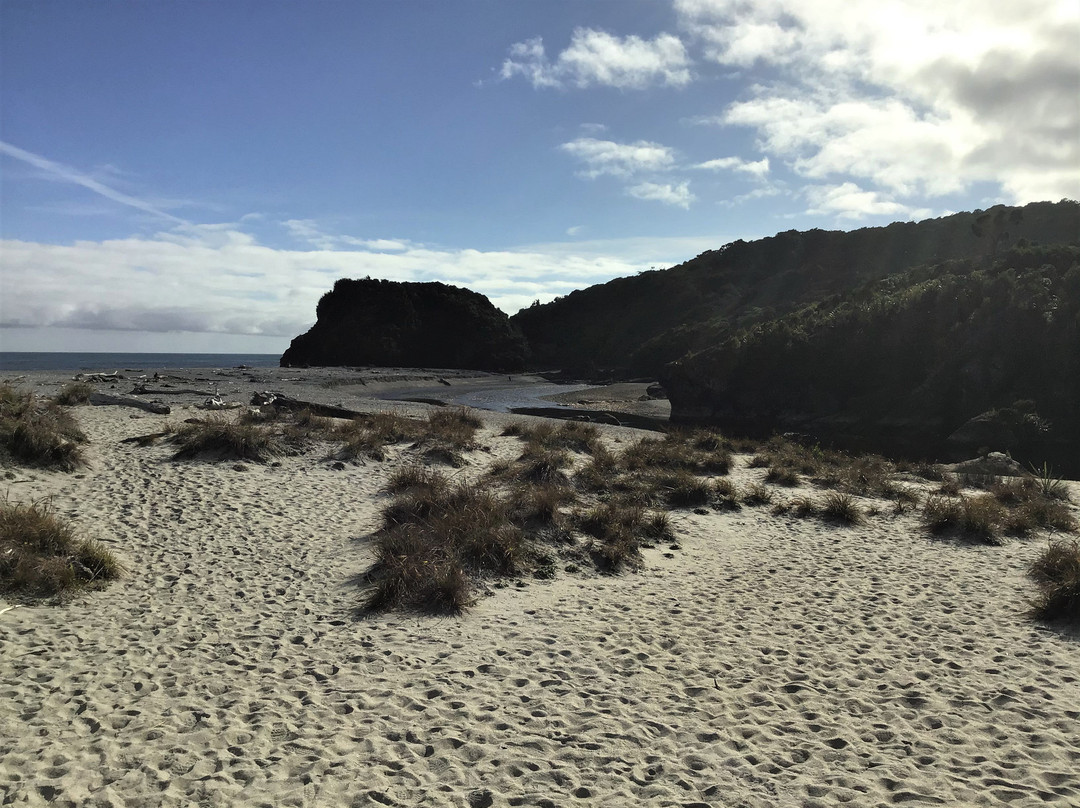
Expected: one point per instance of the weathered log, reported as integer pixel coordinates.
(107, 399)
(283, 402)
(143, 390)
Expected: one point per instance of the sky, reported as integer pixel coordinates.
(193, 175)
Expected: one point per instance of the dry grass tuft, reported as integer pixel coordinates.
(1057, 573)
(981, 517)
(841, 507)
(435, 540)
(677, 451)
(41, 556)
(222, 439)
(73, 394)
(757, 494)
(39, 433)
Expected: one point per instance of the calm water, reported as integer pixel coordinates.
(108, 362)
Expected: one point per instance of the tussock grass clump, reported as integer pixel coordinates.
(40, 554)
(540, 504)
(39, 433)
(577, 436)
(369, 435)
(676, 451)
(415, 478)
(616, 529)
(804, 507)
(681, 489)
(980, 517)
(727, 495)
(1057, 573)
(73, 394)
(788, 461)
(841, 507)
(757, 494)
(433, 544)
(453, 427)
(222, 439)
(598, 473)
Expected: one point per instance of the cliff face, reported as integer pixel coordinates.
(636, 325)
(392, 324)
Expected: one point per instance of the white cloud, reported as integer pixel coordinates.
(217, 279)
(849, 201)
(756, 168)
(62, 173)
(597, 58)
(619, 159)
(670, 194)
(309, 232)
(917, 97)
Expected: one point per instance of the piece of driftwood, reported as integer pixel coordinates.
(143, 390)
(146, 440)
(283, 402)
(107, 399)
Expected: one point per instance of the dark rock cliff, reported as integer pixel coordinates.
(392, 324)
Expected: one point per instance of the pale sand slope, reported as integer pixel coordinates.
(769, 662)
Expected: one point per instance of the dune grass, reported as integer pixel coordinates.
(40, 555)
(218, 438)
(436, 539)
(1057, 573)
(39, 433)
(73, 394)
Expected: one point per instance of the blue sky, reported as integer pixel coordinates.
(193, 175)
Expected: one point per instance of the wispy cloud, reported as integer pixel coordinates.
(619, 159)
(677, 194)
(63, 173)
(597, 58)
(756, 168)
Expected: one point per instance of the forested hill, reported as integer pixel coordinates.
(637, 325)
(943, 359)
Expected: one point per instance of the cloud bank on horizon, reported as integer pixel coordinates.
(851, 112)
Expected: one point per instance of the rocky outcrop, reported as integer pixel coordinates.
(392, 324)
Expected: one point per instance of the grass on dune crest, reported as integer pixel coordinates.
(40, 555)
(39, 433)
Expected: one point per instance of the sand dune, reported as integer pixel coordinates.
(768, 661)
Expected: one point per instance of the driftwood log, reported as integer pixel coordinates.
(108, 399)
(143, 390)
(283, 402)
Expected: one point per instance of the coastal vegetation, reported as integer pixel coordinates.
(41, 555)
(39, 433)
(1057, 573)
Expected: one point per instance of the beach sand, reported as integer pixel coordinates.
(767, 661)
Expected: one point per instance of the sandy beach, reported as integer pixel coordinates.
(760, 660)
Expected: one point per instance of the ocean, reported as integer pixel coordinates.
(108, 362)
